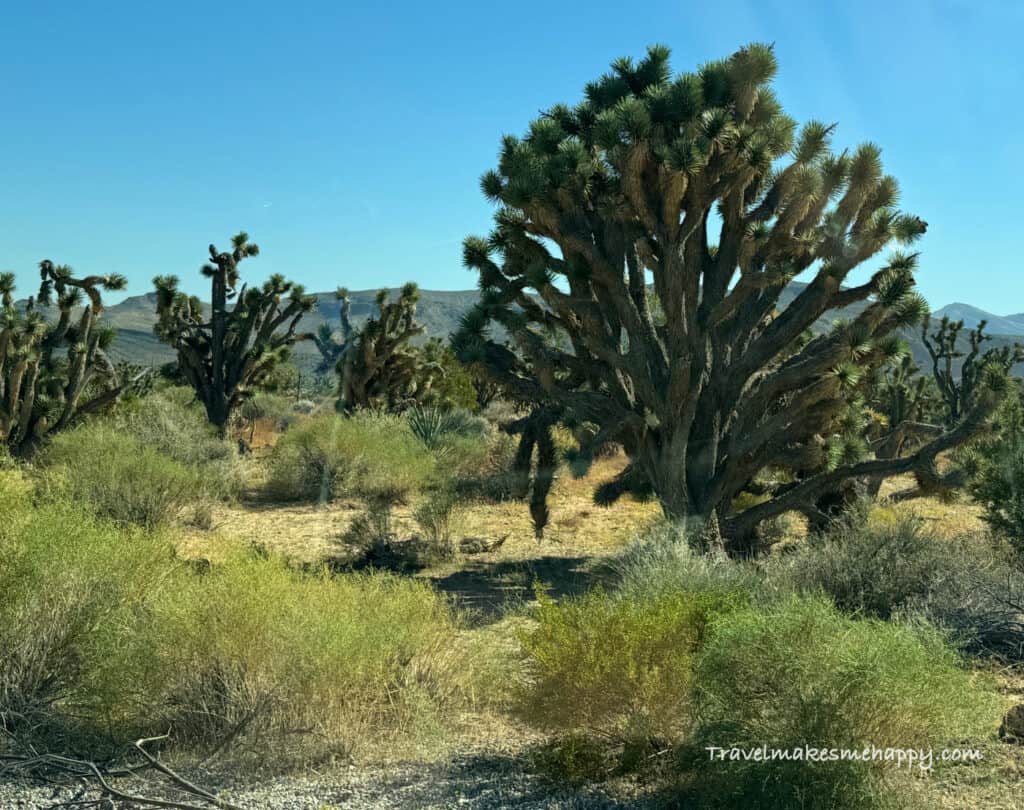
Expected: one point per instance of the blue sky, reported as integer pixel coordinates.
(348, 138)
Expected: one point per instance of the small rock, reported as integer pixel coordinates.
(1012, 728)
(480, 545)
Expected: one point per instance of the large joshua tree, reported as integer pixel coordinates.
(53, 373)
(249, 331)
(697, 190)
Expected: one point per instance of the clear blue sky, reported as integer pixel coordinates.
(348, 138)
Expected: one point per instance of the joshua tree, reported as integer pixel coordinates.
(378, 368)
(959, 391)
(224, 358)
(331, 343)
(900, 402)
(52, 374)
(699, 189)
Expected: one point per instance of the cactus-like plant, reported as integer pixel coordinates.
(959, 390)
(378, 367)
(698, 188)
(52, 374)
(225, 357)
(331, 342)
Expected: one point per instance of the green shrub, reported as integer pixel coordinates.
(866, 568)
(171, 422)
(117, 477)
(107, 637)
(574, 759)
(977, 597)
(618, 666)
(367, 455)
(662, 561)
(483, 469)
(433, 426)
(304, 466)
(800, 673)
(462, 442)
(437, 516)
(256, 650)
(967, 586)
(276, 408)
(69, 585)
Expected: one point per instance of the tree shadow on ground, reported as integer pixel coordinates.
(488, 590)
(492, 781)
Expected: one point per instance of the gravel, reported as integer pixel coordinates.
(472, 783)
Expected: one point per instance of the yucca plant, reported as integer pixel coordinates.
(432, 425)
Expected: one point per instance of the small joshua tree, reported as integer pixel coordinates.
(897, 409)
(330, 342)
(226, 357)
(960, 391)
(699, 189)
(378, 367)
(52, 374)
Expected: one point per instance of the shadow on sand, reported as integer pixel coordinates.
(489, 590)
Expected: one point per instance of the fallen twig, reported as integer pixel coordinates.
(38, 764)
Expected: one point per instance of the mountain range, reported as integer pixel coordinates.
(972, 316)
(439, 311)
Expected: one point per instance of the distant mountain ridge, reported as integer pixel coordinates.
(972, 316)
(440, 310)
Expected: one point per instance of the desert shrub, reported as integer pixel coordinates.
(118, 477)
(977, 597)
(574, 758)
(369, 533)
(171, 422)
(460, 441)
(438, 517)
(107, 637)
(798, 673)
(367, 455)
(284, 378)
(68, 585)
(304, 465)
(272, 407)
(304, 406)
(967, 586)
(873, 567)
(483, 470)
(614, 665)
(662, 560)
(261, 653)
